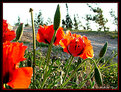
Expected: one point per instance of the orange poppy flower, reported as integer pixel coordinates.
(15, 77)
(45, 34)
(8, 34)
(77, 45)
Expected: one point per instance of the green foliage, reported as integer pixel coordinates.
(112, 35)
(98, 76)
(39, 19)
(103, 50)
(110, 76)
(67, 22)
(18, 22)
(49, 22)
(73, 72)
(88, 18)
(98, 17)
(27, 24)
(57, 18)
(82, 78)
(115, 22)
(19, 32)
(38, 44)
(75, 23)
(102, 60)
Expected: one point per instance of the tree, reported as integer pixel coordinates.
(115, 19)
(18, 22)
(49, 22)
(75, 23)
(99, 18)
(88, 18)
(38, 19)
(27, 24)
(68, 22)
(63, 23)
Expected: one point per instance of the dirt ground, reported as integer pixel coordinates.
(97, 41)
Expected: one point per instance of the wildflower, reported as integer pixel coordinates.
(15, 77)
(8, 34)
(45, 34)
(77, 45)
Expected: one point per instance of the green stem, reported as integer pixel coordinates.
(109, 60)
(76, 70)
(48, 58)
(93, 61)
(72, 74)
(34, 45)
(67, 69)
(83, 82)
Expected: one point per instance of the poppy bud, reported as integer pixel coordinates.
(19, 32)
(98, 76)
(57, 18)
(103, 50)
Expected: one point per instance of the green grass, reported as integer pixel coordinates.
(38, 44)
(111, 34)
(109, 72)
(110, 75)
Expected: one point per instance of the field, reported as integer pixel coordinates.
(52, 57)
(98, 39)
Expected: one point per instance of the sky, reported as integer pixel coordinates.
(11, 11)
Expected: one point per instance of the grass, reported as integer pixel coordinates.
(38, 44)
(109, 72)
(111, 34)
(110, 75)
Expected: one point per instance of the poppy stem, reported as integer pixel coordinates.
(73, 73)
(48, 58)
(68, 67)
(56, 26)
(34, 45)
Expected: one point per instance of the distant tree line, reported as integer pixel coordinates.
(75, 23)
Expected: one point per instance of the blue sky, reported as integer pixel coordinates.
(11, 11)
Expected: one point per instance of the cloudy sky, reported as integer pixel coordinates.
(11, 11)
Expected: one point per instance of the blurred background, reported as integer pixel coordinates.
(74, 16)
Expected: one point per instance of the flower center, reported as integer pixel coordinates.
(76, 47)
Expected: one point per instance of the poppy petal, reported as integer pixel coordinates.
(77, 45)
(45, 34)
(21, 78)
(9, 35)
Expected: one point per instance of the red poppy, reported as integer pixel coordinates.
(8, 34)
(77, 45)
(15, 77)
(45, 34)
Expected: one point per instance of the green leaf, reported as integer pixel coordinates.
(98, 76)
(29, 62)
(57, 18)
(58, 62)
(7, 86)
(93, 83)
(19, 32)
(21, 64)
(102, 60)
(103, 50)
(72, 67)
